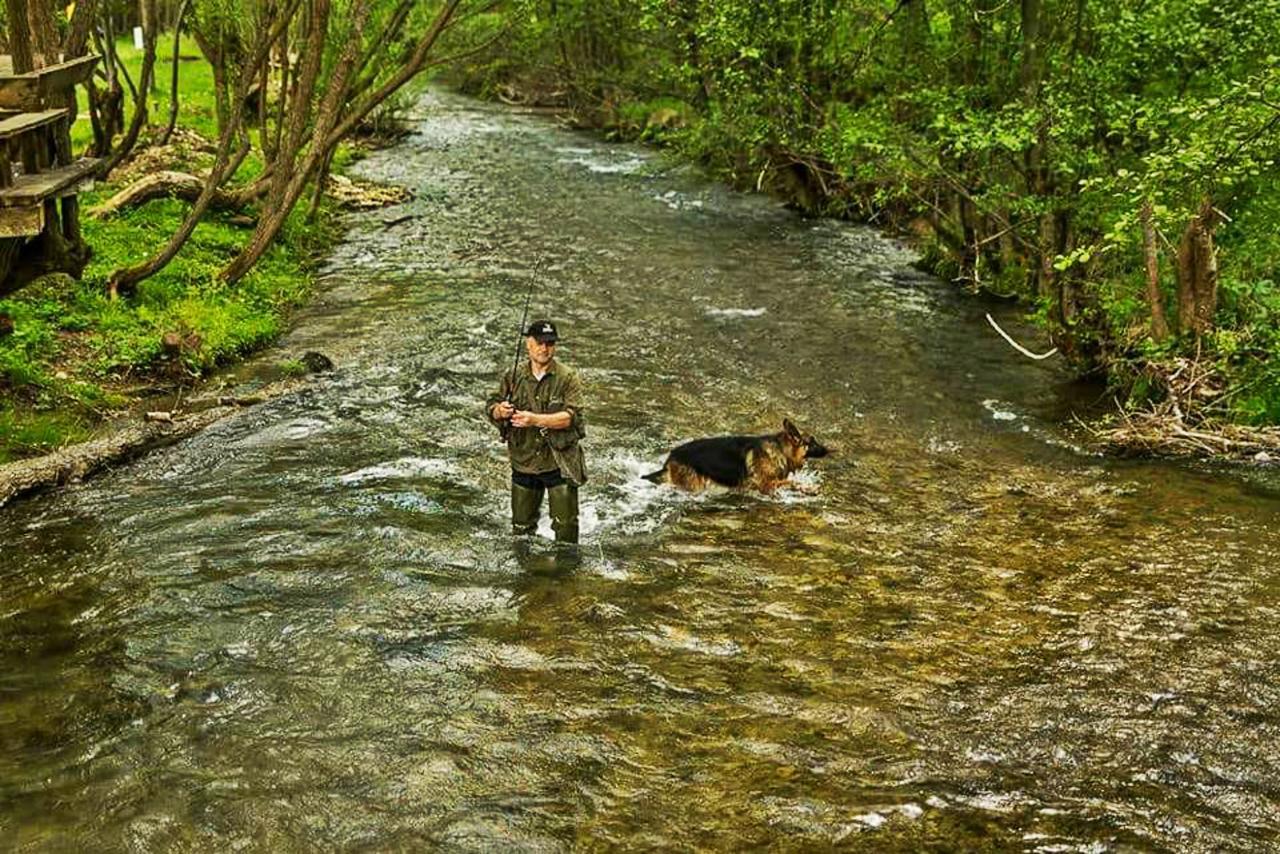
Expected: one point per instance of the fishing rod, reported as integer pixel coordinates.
(505, 427)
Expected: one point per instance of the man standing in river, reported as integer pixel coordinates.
(538, 409)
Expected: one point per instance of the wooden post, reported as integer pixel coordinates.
(61, 157)
(42, 141)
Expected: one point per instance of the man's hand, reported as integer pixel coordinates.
(503, 410)
(521, 418)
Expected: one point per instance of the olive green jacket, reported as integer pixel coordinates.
(535, 450)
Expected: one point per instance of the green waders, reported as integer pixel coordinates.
(564, 512)
(525, 504)
(563, 501)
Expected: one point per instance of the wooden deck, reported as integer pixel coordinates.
(21, 222)
(35, 141)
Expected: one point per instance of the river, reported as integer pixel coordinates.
(308, 626)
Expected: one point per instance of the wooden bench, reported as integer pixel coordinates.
(13, 125)
(33, 90)
(52, 183)
(37, 176)
(19, 139)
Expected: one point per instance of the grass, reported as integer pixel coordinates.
(75, 356)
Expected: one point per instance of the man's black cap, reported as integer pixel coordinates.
(543, 331)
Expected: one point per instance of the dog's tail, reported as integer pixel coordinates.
(659, 476)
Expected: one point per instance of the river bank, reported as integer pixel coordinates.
(109, 410)
(1183, 415)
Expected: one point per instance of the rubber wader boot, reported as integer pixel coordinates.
(564, 512)
(525, 504)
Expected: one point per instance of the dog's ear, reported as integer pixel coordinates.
(791, 430)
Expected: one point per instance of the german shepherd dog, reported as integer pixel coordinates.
(738, 462)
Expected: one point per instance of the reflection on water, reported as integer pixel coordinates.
(309, 626)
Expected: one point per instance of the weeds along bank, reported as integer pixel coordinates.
(1112, 164)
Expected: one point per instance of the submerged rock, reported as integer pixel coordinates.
(317, 363)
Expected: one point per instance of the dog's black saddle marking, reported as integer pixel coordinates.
(723, 459)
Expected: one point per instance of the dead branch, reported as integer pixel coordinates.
(1180, 423)
(1015, 345)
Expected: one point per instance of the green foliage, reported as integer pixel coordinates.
(186, 296)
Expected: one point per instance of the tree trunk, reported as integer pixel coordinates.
(78, 30)
(915, 28)
(213, 53)
(331, 126)
(322, 178)
(140, 94)
(1198, 272)
(288, 184)
(1029, 70)
(107, 107)
(173, 82)
(225, 164)
(44, 33)
(20, 42)
(1155, 301)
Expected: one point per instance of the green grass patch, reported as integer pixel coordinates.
(292, 368)
(23, 434)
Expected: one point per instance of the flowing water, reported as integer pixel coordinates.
(309, 628)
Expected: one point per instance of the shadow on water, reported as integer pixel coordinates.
(309, 626)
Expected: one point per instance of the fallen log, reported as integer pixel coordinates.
(160, 185)
(71, 464)
(76, 462)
